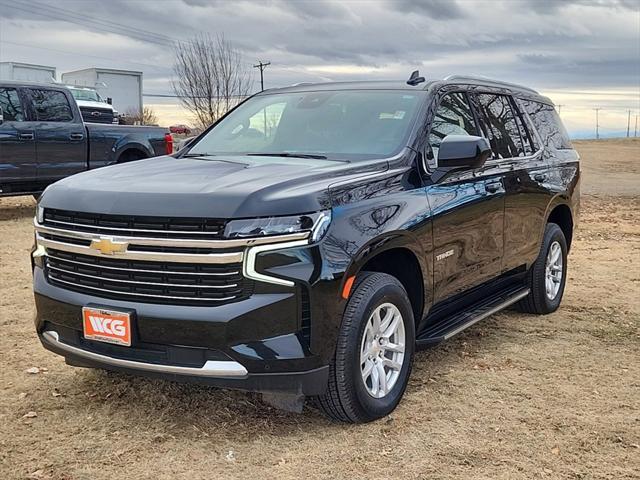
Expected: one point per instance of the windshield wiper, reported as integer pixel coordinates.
(297, 155)
(203, 155)
(288, 154)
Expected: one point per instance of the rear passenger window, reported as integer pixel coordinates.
(51, 106)
(548, 124)
(453, 117)
(502, 127)
(11, 106)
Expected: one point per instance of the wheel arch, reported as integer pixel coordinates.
(400, 256)
(130, 149)
(561, 215)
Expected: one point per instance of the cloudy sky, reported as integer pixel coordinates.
(583, 54)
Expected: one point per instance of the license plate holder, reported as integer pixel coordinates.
(107, 325)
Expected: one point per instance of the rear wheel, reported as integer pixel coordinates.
(369, 373)
(130, 156)
(548, 274)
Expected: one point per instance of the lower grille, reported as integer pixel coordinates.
(152, 282)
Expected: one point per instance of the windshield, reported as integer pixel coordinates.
(345, 124)
(85, 94)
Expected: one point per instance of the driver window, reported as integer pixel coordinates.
(263, 126)
(453, 117)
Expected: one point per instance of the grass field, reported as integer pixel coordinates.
(514, 397)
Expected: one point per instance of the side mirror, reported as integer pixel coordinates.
(463, 151)
(110, 100)
(1, 116)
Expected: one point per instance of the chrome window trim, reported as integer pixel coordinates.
(211, 368)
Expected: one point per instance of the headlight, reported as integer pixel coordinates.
(39, 213)
(315, 223)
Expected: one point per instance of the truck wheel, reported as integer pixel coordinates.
(547, 276)
(131, 156)
(374, 353)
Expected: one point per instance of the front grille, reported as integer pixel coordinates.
(96, 115)
(135, 226)
(145, 281)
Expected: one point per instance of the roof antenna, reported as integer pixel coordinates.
(415, 78)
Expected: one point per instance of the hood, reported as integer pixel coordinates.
(215, 187)
(88, 104)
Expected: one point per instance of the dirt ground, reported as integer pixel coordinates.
(514, 397)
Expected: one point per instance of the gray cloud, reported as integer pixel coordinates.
(515, 40)
(553, 6)
(436, 9)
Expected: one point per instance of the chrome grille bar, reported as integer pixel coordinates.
(173, 242)
(141, 230)
(107, 279)
(209, 258)
(118, 292)
(124, 269)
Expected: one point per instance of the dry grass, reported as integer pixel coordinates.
(514, 397)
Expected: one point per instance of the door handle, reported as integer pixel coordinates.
(25, 136)
(76, 136)
(540, 177)
(493, 187)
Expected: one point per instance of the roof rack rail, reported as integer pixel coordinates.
(485, 80)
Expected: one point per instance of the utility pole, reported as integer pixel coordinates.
(261, 65)
(597, 123)
(635, 132)
(628, 121)
(559, 108)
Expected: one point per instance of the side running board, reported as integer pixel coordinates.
(450, 326)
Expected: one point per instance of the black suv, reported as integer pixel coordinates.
(310, 240)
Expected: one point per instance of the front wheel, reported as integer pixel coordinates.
(548, 274)
(374, 353)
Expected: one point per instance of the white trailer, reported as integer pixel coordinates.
(27, 72)
(124, 87)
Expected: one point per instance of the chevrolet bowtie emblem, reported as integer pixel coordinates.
(108, 246)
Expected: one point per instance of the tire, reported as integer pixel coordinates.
(348, 397)
(538, 301)
(131, 156)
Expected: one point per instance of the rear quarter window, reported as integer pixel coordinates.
(546, 121)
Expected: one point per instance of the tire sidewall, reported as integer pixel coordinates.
(553, 234)
(388, 293)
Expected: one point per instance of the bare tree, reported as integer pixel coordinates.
(211, 77)
(134, 117)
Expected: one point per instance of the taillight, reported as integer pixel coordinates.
(168, 143)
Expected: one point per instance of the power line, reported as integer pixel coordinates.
(76, 54)
(83, 20)
(262, 66)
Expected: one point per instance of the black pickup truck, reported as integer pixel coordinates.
(309, 241)
(43, 139)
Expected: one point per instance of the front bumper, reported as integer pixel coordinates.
(255, 344)
(218, 373)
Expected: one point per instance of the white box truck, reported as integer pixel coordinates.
(124, 87)
(27, 72)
